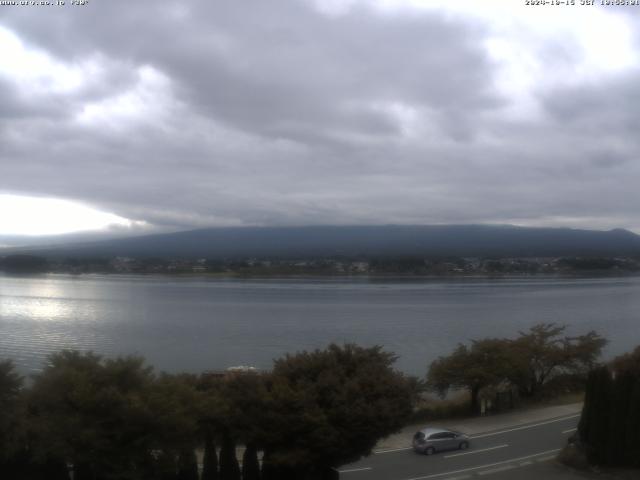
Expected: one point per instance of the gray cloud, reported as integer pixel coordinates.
(263, 113)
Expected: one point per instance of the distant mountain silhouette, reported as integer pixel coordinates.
(365, 241)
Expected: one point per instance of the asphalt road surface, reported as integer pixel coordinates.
(491, 454)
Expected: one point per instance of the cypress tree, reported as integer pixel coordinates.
(609, 427)
(187, 465)
(210, 459)
(250, 464)
(615, 444)
(16, 467)
(148, 467)
(268, 471)
(55, 469)
(167, 467)
(82, 471)
(598, 431)
(586, 418)
(229, 468)
(632, 432)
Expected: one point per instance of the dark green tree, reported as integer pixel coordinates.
(594, 429)
(628, 364)
(609, 428)
(250, 463)
(187, 465)
(166, 467)
(92, 413)
(14, 455)
(48, 469)
(210, 459)
(235, 406)
(632, 430)
(229, 467)
(23, 264)
(329, 407)
(543, 352)
(484, 363)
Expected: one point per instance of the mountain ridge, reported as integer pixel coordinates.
(357, 241)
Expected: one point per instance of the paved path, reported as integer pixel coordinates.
(500, 444)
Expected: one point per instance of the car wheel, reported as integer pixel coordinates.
(430, 451)
(463, 445)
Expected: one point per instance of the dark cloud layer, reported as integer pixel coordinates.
(275, 113)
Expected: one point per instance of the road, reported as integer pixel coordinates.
(490, 454)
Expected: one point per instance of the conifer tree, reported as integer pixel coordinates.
(210, 459)
(51, 469)
(632, 430)
(599, 428)
(229, 468)
(622, 389)
(187, 465)
(250, 464)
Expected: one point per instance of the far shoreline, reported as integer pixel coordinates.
(332, 276)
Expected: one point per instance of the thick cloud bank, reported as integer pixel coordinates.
(201, 113)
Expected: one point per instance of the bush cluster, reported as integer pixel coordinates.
(108, 419)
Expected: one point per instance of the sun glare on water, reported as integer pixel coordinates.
(22, 215)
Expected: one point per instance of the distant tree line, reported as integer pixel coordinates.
(335, 265)
(23, 264)
(609, 428)
(107, 419)
(539, 361)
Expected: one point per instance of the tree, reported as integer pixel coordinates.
(229, 468)
(609, 428)
(250, 464)
(229, 415)
(236, 406)
(484, 363)
(187, 465)
(91, 412)
(210, 459)
(629, 363)
(13, 454)
(329, 407)
(22, 264)
(542, 353)
(10, 389)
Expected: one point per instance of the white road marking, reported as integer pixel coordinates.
(484, 466)
(570, 430)
(524, 464)
(496, 470)
(476, 451)
(355, 470)
(545, 459)
(524, 427)
(461, 477)
(376, 452)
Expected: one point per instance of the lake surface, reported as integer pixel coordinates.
(195, 324)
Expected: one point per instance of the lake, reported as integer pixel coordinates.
(196, 323)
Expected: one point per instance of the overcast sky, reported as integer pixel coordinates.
(180, 115)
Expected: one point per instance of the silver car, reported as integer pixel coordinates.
(431, 440)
